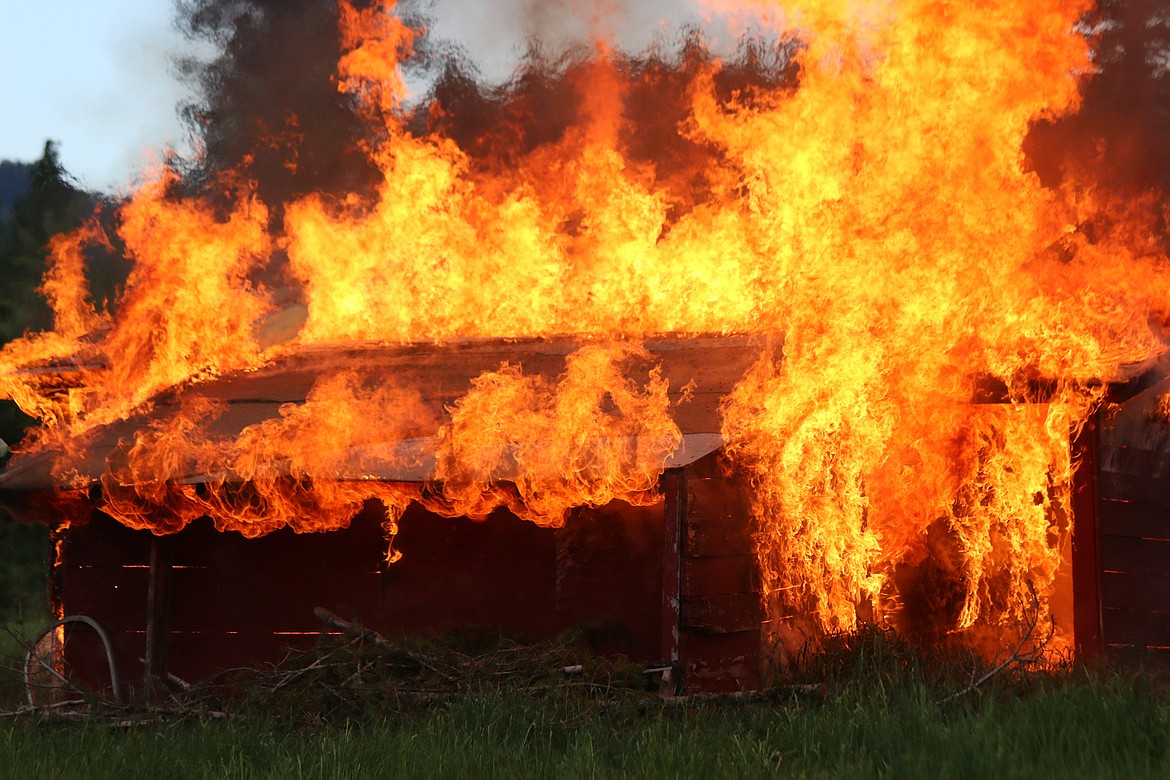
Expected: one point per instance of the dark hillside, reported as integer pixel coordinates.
(14, 183)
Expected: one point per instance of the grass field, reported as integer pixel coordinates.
(881, 716)
(1084, 728)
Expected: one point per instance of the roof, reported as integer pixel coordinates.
(699, 370)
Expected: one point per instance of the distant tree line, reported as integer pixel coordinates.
(39, 200)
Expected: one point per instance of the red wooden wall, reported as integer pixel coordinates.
(236, 602)
(1122, 537)
(713, 629)
(1133, 510)
(671, 582)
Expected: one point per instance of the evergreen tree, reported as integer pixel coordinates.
(51, 205)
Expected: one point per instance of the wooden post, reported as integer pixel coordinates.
(1086, 561)
(56, 599)
(158, 617)
(674, 489)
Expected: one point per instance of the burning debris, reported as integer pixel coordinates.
(851, 200)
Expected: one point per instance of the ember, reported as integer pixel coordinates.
(858, 215)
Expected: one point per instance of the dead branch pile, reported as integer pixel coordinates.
(354, 671)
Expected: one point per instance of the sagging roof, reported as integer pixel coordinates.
(700, 370)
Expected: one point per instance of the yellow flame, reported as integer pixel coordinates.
(878, 219)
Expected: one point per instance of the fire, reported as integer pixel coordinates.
(867, 206)
(598, 435)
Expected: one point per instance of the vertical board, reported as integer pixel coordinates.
(1086, 565)
(721, 613)
(674, 489)
(1133, 510)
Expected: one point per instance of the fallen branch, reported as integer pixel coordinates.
(816, 691)
(174, 681)
(43, 708)
(357, 632)
(1018, 656)
(103, 715)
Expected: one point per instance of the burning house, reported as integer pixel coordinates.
(827, 353)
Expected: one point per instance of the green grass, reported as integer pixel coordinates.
(1083, 728)
(881, 717)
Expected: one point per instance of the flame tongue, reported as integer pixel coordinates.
(876, 212)
(594, 437)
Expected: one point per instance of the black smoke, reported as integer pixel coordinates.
(269, 107)
(1120, 139)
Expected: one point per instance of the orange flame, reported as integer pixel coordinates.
(878, 219)
(595, 437)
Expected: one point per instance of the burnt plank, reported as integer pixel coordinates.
(711, 575)
(719, 536)
(722, 614)
(158, 617)
(1086, 565)
(1141, 628)
(1137, 556)
(716, 497)
(1133, 487)
(722, 663)
(1136, 519)
(1153, 464)
(1145, 657)
(719, 517)
(1128, 590)
(699, 413)
(674, 494)
(711, 466)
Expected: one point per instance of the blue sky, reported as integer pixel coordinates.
(94, 76)
(98, 77)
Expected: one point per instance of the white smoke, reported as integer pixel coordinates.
(496, 34)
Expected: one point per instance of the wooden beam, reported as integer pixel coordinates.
(1086, 553)
(674, 490)
(158, 617)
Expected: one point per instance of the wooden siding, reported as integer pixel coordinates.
(720, 639)
(1133, 523)
(235, 602)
